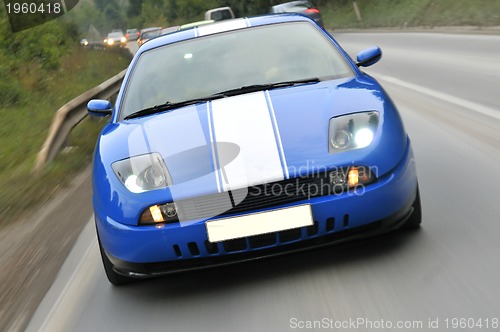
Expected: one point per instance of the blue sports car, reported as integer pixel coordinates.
(244, 139)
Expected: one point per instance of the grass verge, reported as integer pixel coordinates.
(25, 126)
(410, 13)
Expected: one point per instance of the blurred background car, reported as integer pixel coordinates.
(170, 30)
(219, 14)
(148, 33)
(132, 34)
(115, 39)
(303, 7)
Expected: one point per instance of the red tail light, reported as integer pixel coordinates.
(312, 11)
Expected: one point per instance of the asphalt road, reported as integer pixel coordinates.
(446, 87)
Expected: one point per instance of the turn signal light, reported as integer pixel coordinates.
(312, 10)
(157, 214)
(353, 177)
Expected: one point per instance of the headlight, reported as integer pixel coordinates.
(352, 131)
(123, 40)
(142, 173)
(111, 41)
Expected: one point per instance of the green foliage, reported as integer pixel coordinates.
(44, 44)
(134, 8)
(27, 57)
(250, 7)
(115, 14)
(87, 15)
(11, 91)
(25, 126)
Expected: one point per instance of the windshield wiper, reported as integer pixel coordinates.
(232, 92)
(260, 87)
(171, 105)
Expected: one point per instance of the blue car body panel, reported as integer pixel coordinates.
(187, 139)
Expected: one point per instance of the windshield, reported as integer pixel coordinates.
(151, 34)
(115, 35)
(202, 66)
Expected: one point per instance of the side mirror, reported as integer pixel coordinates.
(369, 56)
(99, 107)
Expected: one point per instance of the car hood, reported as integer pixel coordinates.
(259, 137)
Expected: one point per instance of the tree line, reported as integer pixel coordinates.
(141, 13)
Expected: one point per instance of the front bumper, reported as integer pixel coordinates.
(155, 250)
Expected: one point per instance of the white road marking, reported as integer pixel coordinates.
(63, 298)
(478, 108)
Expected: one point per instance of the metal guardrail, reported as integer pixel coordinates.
(69, 115)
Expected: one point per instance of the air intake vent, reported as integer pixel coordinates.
(313, 229)
(330, 224)
(259, 241)
(235, 245)
(346, 220)
(177, 250)
(290, 235)
(212, 248)
(193, 249)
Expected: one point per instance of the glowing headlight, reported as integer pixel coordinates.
(363, 137)
(142, 173)
(111, 41)
(123, 40)
(352, 131)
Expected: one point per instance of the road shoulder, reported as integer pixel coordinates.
(34, 249)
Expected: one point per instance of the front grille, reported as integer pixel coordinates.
(258, 197)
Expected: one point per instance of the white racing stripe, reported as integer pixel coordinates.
(245, 121)
(210, 130)
(221, 27)
(278, 136)
(478, 108)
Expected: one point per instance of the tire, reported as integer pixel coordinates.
(416, 217)
(113, 277)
